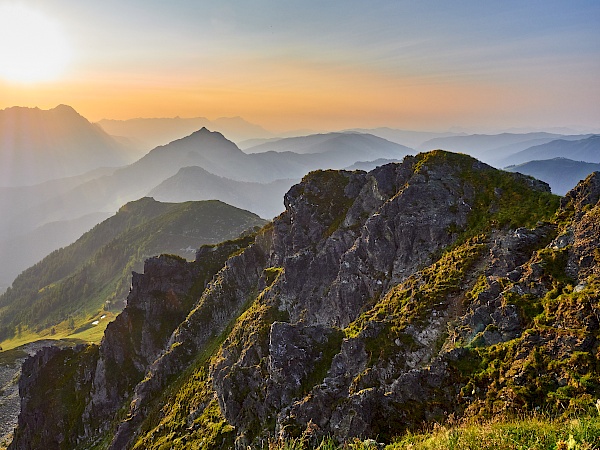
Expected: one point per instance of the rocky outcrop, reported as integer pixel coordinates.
(105, 376)
(386, 226)
(222, 302)
(376, 302)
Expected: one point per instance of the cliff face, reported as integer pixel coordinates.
(97, 381)
(377, 301)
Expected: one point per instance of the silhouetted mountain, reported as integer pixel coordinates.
(249, 143)
(19, 198)
(152, 132)
(195, 183)
(586, 149)
(107, 193)
(39, 145)
(561, 174)
(493, 148)
(215, 154)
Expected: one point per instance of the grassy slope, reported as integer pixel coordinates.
(66, 292)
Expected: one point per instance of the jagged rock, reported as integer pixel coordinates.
(367, 308)
(159, 300)
(585, 193)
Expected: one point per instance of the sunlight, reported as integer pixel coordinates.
(32, 46)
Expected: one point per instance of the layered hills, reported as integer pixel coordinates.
(505, 149)
(27, 210)
(587, 149)
(562, 174)
(375, 303)
(63, 293)
(39, 145)
(346, 145)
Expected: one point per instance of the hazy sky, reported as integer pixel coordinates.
(325, 64)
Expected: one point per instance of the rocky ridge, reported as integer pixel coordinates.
(377, 301)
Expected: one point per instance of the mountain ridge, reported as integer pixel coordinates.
(152, 132)
(388, 324)
(93, 272)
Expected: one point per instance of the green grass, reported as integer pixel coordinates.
(532, 433)
(83, 332)
(304, 443)
(535, 433)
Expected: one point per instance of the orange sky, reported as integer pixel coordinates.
(392, 66)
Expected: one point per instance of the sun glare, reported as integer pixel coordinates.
(33, 48)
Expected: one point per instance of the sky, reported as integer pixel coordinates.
(323, 65)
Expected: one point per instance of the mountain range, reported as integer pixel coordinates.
(73, 201)
(349, 145)
(28, 211)
(413, 139)
(195, 183)
(584, 149)
(378, 303)
(497, 149)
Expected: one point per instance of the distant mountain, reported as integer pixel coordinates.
(107, 193)
(350, 143)
(95, 271)
(152, 132)
(215, 154)
(39, 145)
(367, 166)
(561, 174)
(195, 183)
(493, 148)
(249, 143)
(409, 138)
(20, 198)
(586, 149)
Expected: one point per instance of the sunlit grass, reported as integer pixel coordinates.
(531, 433)
(81, 331)
(534, 433)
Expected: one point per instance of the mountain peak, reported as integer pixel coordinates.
(65, 108)
(206, 132)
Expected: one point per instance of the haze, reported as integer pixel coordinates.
(324, 65)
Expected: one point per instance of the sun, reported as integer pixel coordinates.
(33, 48)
